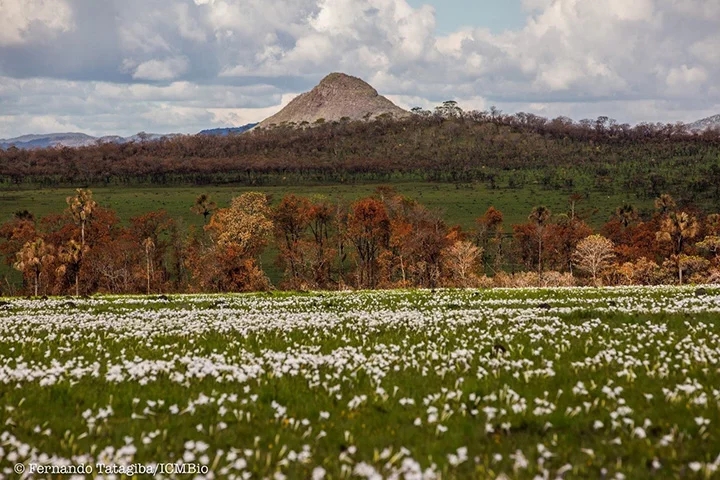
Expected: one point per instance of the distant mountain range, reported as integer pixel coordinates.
(224, 132)
(74, 139)
(706, 123)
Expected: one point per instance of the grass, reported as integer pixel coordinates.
(460, 204)
(457, 383)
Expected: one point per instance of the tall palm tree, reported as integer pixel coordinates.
(204, 206)
(81, 207)
(626, 214)
(33, 257)
(71, 255)
(664, 204)
(676, 229)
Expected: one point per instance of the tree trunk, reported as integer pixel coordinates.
(680, 275)
(540, 254)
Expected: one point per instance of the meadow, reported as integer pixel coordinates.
(423, 384)
(460, 204)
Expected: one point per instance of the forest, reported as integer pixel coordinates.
(382, 241)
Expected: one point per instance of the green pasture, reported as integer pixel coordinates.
(460, 204)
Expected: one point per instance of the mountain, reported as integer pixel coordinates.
(338, 96)
(28, 142)
(224, 132)
(49, 140)
(706, 123)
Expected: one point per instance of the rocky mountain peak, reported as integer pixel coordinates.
(338, 96)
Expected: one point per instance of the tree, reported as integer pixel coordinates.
(462, 261)
(676, 229)
(574, 199)
(626, 214)
(161, 230)
(449, 109)
(149, 246)
(594, 254)
(246, 224)
(369, 232)
(291, 218)
(204, 206)
(710, 245)
(71, 256)
(664, 204)
(240, 233)
(33, 258)
(560, 239)
(489, 236)
(540, 216)
(81, 208)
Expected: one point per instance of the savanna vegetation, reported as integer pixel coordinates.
(589, 202)
(449, 145)
(381, 241)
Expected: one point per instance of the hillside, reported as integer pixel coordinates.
(75, 140)
(225, 131)
(706, 123)
(500, 151)
(337, 97)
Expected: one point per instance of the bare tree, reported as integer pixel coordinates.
(540, 216)
(594, 254)
(462, 259)
(149, 249)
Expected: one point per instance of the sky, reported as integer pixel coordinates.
(161, 66)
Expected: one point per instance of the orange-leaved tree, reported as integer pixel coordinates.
(369, 232)
(240, 233)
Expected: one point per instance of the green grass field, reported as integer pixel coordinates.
(460, 204)
(568, 383)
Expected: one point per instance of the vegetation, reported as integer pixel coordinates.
(523, 383)
(489, 148)
(382, 241)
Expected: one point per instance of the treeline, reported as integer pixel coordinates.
(448, 145)
(383, 241)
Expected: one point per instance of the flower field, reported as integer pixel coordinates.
(555, 383)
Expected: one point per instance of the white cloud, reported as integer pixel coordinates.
(18, 17)
(217, 61)
(167, 69)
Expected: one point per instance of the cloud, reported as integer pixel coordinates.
(33, 20)
(167, 69)
(132, 65)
